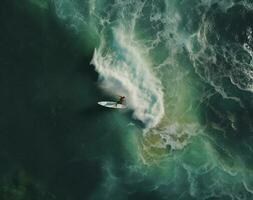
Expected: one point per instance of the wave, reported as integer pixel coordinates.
(123, 70)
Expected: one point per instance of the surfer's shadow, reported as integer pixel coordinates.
(97, 110)
(94, 110)
(129, 115)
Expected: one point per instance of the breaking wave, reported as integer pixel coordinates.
(123, 70)
(183, 66)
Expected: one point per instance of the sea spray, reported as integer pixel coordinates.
(124, 71)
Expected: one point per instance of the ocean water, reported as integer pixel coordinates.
(186, 69)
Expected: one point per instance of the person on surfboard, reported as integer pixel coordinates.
(121, 100)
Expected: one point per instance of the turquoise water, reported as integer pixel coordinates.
(186, 69)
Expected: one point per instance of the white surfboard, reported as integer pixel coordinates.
(111, 104)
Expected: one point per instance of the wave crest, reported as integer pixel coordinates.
(126, 72)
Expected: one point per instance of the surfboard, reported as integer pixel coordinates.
(111, 104)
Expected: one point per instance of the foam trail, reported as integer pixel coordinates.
(206, 48)
(125, 71)
(119, 59)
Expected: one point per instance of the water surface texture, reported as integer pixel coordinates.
(186, 69)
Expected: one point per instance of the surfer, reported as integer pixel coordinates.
(121, 100)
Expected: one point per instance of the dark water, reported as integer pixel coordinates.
(48, 95)
(187, 136)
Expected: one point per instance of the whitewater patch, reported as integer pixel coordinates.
(220, 53)
(139, 57)
(123, 70)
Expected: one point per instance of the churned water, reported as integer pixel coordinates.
(186, 69)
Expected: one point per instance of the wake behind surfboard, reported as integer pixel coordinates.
(111, 104)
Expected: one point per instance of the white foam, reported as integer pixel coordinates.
(176, 135)
(125, 71)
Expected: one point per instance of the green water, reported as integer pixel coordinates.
(186, 69)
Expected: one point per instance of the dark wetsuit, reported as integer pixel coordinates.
(120, 101)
